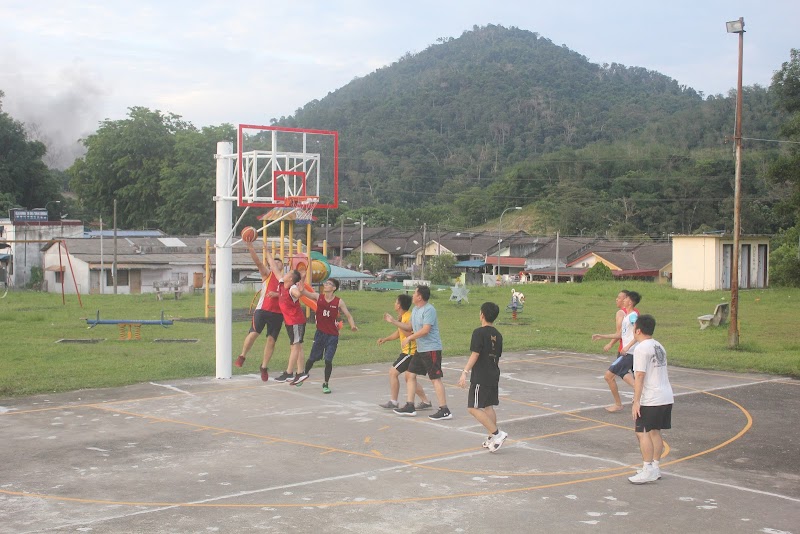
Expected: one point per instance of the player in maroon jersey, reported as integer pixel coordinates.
(326, 339)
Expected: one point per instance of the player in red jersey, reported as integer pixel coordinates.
(326, 339)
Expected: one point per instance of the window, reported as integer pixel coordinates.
(122, 277)
(59, 277)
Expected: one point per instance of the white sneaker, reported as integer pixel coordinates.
(488, 442)
(657, 470)
(645, 475)
(497, 441)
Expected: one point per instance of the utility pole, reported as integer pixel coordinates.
(424, 231)
(341, 243)
(114, 267)
(736, 26)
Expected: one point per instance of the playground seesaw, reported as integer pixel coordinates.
(129, 328)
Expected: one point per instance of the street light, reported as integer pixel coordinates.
(327, 225)
(499, 228)
(736, 26)
(48, 212)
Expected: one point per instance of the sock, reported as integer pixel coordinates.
(393, 401)
(656, 463)
(496, 432)
(647, 465)
(328, 370)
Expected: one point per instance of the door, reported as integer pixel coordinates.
(135, 281)
(744, 267)
(761, 274)
(727, 252)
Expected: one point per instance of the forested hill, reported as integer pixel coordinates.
(466, 109)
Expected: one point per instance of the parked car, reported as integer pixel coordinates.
(380, 274)
(396, 276)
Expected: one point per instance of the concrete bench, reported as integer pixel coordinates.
(161, 291)
(720, 316)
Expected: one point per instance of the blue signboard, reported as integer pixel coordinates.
(29, 215)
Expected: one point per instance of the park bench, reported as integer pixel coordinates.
(720, 316)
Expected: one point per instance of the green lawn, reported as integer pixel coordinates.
(555, 317)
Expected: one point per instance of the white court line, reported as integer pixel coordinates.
(173, 388)
(567, 412)
(731, 486)
(522, 445)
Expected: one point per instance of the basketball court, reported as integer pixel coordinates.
(211, 455)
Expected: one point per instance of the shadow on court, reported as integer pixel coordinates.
(240, 455)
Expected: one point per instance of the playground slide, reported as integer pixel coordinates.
(310, 303)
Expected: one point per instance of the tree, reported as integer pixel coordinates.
(124, 161)
(786, 169)
(440, 268)
(24, 178)
(187, 183)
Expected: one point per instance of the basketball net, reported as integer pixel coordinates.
(303, 208)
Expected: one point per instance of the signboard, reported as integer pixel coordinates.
(28, 215)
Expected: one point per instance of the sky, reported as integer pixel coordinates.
(67, 65)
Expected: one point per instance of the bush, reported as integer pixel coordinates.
(784, 259)
(598, 272)
(37, 277)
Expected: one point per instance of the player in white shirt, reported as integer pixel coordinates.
(652, 398)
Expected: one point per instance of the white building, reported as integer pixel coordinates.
(22, 239)
(703, 262)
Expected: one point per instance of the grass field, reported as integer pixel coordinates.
(555, 317)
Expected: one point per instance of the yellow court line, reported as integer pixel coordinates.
(377, 455)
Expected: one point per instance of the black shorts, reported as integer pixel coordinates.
(296, 333)
(654, 418)
(482, 395)
(429, 363)
(273, 321)
(622, 365)
(402, 362)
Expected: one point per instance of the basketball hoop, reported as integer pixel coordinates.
(303, 208)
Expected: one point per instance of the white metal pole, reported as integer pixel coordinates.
(361, 260)
(223, 307)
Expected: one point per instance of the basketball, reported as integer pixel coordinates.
(249, 234)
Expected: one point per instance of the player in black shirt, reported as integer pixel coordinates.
(486, 347)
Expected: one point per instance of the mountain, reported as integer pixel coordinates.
(466, 109)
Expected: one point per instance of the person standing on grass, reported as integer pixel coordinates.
(622, 367)
(326, 339)
(289, 293)
(267, 313)
(402, 306)
(487, 347)
(652, 399)
(424, 330)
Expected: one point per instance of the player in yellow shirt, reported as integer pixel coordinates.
(403, 308)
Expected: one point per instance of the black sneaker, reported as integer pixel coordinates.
(423, 405)
(407, 410)
(284, 376)
(443, 413)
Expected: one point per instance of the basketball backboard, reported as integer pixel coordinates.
(275, 164)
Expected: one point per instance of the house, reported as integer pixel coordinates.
(703, 262)
(569, 257)
(144, 264)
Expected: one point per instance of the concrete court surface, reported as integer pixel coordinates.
(240, 455)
